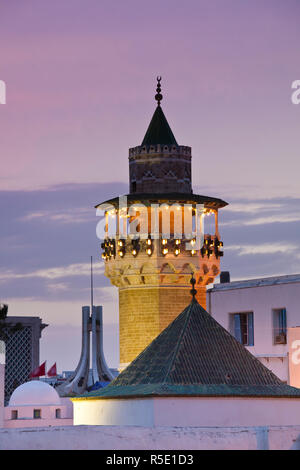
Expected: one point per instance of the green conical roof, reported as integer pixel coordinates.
(159, 131)
(195, 356)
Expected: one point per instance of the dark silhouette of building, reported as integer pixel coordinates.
(22, 351)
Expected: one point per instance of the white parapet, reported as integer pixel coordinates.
(2, 371)
(188, 411)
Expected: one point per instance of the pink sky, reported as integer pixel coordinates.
(80, 84)
(81, 79)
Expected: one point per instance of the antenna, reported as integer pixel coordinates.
(92, 294)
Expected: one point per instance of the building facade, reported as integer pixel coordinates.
(22, 351)
(37, 404)
(263, 314)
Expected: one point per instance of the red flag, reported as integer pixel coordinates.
(52, 371)
(41, 370)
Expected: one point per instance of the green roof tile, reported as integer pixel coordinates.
(159, 131)
(195, 356)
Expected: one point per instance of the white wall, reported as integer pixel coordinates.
(2, 367)
(48, 415)
(138, 412)
(188, 411)
(226, 411)
(2, 375)
(139, 438)
(260, 301)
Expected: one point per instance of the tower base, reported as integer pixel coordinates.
(147, 311)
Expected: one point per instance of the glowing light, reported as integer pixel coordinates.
(177, 251)
(165, 251)
(149, 252)
(164, 241)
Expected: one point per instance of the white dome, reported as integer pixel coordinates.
(34, 392)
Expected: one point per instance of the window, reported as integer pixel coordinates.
(148, 175)
(279, 326)
(242, 328)
(57, 413)
(14, 414)
(37, 414)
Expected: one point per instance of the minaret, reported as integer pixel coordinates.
(152, 268)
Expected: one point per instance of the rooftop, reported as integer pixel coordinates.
(159, 131)
(34, 392)
(195, 356)
(180, 198)
(260, 282)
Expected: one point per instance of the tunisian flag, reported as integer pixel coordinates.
(41, 370)
(52, 371)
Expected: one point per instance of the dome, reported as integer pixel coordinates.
(34, 392)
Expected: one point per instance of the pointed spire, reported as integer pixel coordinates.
(159, 131)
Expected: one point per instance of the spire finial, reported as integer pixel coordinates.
(193, 291)
(158, 95)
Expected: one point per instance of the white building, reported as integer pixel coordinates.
(2, 372)
(33, 404)
(264, 315)
(37, 404)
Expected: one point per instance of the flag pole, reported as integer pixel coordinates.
(92, 293)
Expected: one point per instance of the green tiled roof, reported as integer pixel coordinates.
(195, 356)
(159, 131)
(166, 390)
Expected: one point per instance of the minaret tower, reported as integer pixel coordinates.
(152, 267)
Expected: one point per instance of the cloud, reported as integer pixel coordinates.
(77, 269)
(73, 216)
(48, 238)
(264, 248)
(269, 219)
(272, 219)
(48, 235)
(251, 207)
(55, 286)
(262, 212)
